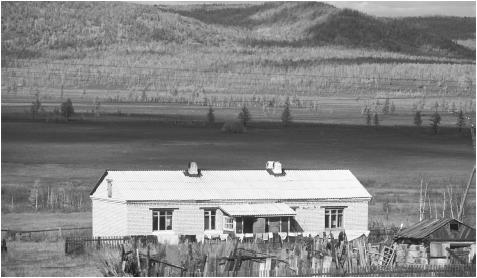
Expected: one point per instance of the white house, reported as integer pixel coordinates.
(241, 203)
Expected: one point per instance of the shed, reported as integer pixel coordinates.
(448, 240)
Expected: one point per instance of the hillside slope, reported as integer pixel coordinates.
(314, 23)
(33, 29)
(76, 29)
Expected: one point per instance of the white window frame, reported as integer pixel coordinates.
(337, 212)
(209, 215)
(167, 214)
(227, 223)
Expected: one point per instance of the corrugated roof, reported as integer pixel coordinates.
(231, 185)
(270, 209)
(423, 229)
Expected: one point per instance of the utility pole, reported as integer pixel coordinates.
(461, 208)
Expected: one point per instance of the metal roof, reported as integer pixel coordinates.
(270, 209)
(423, 229)
(230, 185)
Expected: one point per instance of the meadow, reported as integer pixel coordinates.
(389, 161)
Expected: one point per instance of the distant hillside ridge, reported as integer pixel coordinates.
(314, 23)
(62, 30)
(451, 27)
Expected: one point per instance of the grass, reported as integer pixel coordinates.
(44, 220)
(389, 161)
(45, 259)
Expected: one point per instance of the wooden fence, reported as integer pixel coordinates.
(142, 255)
(78, 244)
(47, 234)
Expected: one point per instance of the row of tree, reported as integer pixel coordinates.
(66, 108)
(435, 120)
(245, 117)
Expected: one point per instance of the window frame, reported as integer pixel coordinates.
(227, 223)
(210, 214)
(162, 215)
(334, 214)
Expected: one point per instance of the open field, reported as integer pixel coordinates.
(36, 221)
(389, 161)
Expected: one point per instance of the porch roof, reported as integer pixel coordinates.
(270, 209)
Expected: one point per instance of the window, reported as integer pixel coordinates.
(228, 223)
(161, 220)
(333, 218)
(454, 226)
(209, 219)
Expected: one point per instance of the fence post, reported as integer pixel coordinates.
(98, 243)
(67, 241)
(4, 246)
(148, 261)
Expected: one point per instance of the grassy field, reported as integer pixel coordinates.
(45, 259)
(389, 161)
(38, 221)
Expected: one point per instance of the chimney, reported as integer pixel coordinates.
(193, 169)
(277, 168)
(269, 165)
(110, 188)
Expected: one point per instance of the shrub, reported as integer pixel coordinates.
(435, 121)
(210, 116)
(67, 109)
(286, 114)
(233, 127)
(460, 120)
(244, 116)
(418, 119)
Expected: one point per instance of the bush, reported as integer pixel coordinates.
(233, 127)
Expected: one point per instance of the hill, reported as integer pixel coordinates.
(451, 27)
(314, 23)
(69, 29)
(72, 29)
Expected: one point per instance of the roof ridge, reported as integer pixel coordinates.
(222, 170)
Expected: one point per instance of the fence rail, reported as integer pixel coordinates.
(50, 234)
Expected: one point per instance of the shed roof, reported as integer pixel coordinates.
(270, 209)
(425, 228)
(230, 185)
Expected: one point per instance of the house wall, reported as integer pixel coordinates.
(311, 216)
(188, 218)
(109, 218)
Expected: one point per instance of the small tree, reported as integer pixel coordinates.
(393, 108)
(386, 106)
(460, 120)
(435, 121)
(35, 107)
(418, 119)
(368, 117)
(286, 115)
(67, 109)
(386, 208)
(376, 119)
(210, 116)
(34, 192)
(244, 116)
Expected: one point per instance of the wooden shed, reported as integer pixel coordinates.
(447, 240)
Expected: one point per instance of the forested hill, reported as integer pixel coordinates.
(451, 27)
(69, 29)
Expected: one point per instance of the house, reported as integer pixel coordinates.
(239, 203)
(447, 240)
